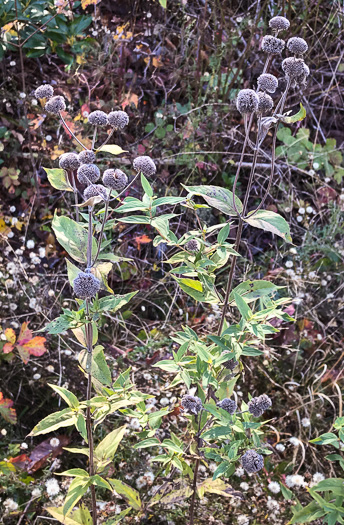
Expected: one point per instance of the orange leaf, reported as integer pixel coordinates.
(10, 335)
(7, 348)
(25, 334)
(130, 99)
(143, 239)
(36, 346)
(86, 3)
(8, 413)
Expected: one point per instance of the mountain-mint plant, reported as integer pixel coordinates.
(219, 427)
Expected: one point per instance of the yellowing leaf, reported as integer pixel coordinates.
(130, 99)
(10, 335)
(86, 3)
(111, 148)
(300, 115)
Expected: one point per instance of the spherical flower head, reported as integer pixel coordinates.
(115, 179)
(192, 245)
(87, 156)
(55, 105)
(252, 461)
(272, 45)
(145, 165)
(86, 285)
(88, 174)
(267, 82)
(229, 405)
(297, 45)
(118, 119)
(265, 102)
(96, 190)
(258, 405)
(98, 118)
(294, 68)
(247, 101)
(192, 404)
(69, 161)
(279, 23)
(231, 364)
(52, 486)
(44, 91)
(274, 487)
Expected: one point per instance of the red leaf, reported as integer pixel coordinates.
(8, 413)
(7, 348)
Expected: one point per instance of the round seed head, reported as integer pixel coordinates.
(192, 404)
(231, 364)
(87, 156)
(272, 45)
(44, 91)
(267, 82)
(96, 190)
(192, 245)
(252, 461)
(98, 118)
(258, 405)
(278, 23)
(55, 105)
(118, 119)
(145, 165)
(229, 405)
(88, 174)
(69, 161)
(86, 285)
(297, 45)
(294, 67)
(247, 101)
(265, 102)
(301, 80)
(115, 179)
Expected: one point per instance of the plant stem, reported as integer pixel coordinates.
(89, 238)
(94, 137)
(70, 131)
(76, 200)
(102, 228)
(108, 138)
(194, 483)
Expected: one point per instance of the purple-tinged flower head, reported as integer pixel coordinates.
(231, 364)
(98, 118)
(144, 165)
(294, 68)
(55, 105)
(229, 405)
(96, 190)
(115, 179)
(247, 101)
(88, 174)
(279, 23)
(118, 119)
(267, 82)
(297, 45)
(258, 405)
(192, 404)
(69, 161)
(87, 156)
(86, 285)
(265, 102)
(272, 45)
(252, 461)
(44, 91)
(192, 245)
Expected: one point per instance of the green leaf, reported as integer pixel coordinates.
(80, 516)
(111, 148)
(244, 309)
(221, 469)
(307, 514)
(167, 200)
(286, 493)
(150, 442)
(64, 418)
(194, 288)
(81, 426)
(300, 115)
(135, 219)
(252, 290)
(146, 186)
(115, 302)
(217, 432)
(75, 473)
(170, 445)
(128, 493)
(167, 365)
(99, 367)
(335, 485)
(223, 234)
(163, 3)
(325, 439)
(72, 272)
(271, 222)
(77, 489)
(68, 396)
(107, 448)
(217, 197)
(98, 481)
(73, 237)
(58, 179)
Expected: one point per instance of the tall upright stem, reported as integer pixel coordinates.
(194, 483)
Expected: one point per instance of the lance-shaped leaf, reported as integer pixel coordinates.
(111, 148)
(128, 493)
(80, 516)
(77, 489)
(300, 115)
(58, 179)
(114, 303)
(270, 222)
(64, 418)
(217, 197)
(66, 395)
(252, 290)
(73, 237)
(99, 367)
(106, 449)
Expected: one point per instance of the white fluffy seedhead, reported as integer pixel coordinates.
(267, 82)
(144, 165)
(247, 101)
(44, 91)
(98, 118)
(115, 179)
(86, 285)
(69, 161)
(118, 119)
(297, 45)
(87, 156)
(55, 105)
(272, 45)
(88, 174)
(279, 23)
